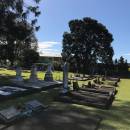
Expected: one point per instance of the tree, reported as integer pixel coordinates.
(17, 28)
(122, 66)
(29, 58)
(88, 42)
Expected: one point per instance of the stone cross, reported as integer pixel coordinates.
(33, 76)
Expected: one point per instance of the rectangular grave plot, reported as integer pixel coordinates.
(95, 90)
(88, 102)
(113, 79)
(10, 114)
(10, 91)
(89, 98)
(35, 105)
(93, 94)
(108, 88)
(92, 98)
(3, 93)
(102, 89)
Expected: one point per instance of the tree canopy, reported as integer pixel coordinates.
(29, 58)
(87, 43)
(18, 24)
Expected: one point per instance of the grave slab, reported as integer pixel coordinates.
(40, 84)
(54, 119)
(9, 114)
(6, 91)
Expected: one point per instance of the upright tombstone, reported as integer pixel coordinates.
(65, 78)
(48, 74)
(18, 74)
(33, 76)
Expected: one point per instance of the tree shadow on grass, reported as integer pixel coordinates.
(118, 114)
(5, 80)
(57, 119)
(116, 118)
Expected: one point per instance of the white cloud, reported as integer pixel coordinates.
(127, 54)
(51, 53)
(47, 44)
(47, 48)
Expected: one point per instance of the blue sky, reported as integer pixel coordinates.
(114, 14)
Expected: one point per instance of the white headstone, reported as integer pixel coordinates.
(33, 76)
(48, 74)
(65, 77)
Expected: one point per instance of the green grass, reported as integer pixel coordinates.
(6, 75)
(116, 118)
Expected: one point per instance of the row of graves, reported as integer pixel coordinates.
(33, 115)
(96, 93)
(50, 118)
(18, 87)
(81, 77)
(13, 113)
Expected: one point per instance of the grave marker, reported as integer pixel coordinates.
(33, 76)
(65, 78)
(48, 74)
(18, 77)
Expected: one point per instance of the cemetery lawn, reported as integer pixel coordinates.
(6, 75)
(116, 118)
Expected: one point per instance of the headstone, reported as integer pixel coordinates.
(75, 86)
(48, 74)
(65, 78)
(18, 74)
(33, 76)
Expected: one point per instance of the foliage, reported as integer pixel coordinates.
(121, 66)
(87, 43)
(17, 28)
(29, 58)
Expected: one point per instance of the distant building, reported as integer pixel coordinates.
(45, 59)
(48, 58)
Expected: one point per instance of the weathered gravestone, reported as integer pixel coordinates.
(65, 78)
(18, 74)
(48, 74)
(33, 76)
